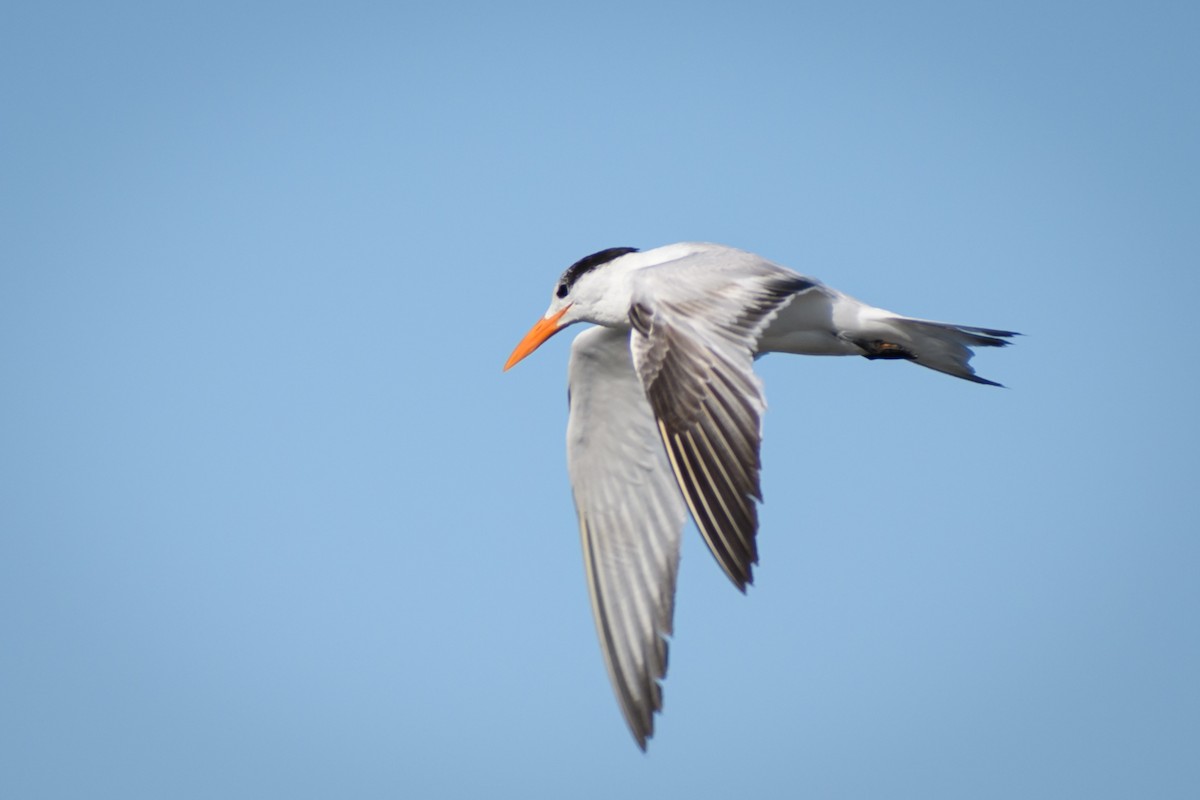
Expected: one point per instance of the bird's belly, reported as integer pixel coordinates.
(805, 326)
(807, 343)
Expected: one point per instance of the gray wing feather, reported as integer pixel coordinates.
(630, 519)
(694, 351)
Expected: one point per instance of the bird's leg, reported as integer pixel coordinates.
(877, 348)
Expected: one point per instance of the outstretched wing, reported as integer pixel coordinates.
(630, 519)
(693, 347)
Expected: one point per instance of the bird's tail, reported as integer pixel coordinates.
(937, 345)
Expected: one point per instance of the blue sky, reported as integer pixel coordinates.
(274, 524)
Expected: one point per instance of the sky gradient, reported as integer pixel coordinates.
(274, 524)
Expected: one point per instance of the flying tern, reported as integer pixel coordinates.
(665, 419)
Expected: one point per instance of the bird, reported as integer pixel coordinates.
(665, 419)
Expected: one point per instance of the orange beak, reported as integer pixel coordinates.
(543, 330)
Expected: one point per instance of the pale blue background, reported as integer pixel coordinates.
(274, 524)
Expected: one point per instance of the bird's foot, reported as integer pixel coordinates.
(877, 348)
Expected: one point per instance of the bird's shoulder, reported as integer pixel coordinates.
(698, 276)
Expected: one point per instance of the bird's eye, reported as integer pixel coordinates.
(562, 291)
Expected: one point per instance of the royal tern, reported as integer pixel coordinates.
(665, 419)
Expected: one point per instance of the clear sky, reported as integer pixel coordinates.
(274, 524)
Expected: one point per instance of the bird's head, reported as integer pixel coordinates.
(584, 293)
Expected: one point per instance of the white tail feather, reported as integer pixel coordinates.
(941, 345)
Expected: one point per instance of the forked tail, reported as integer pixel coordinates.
(937, 345)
